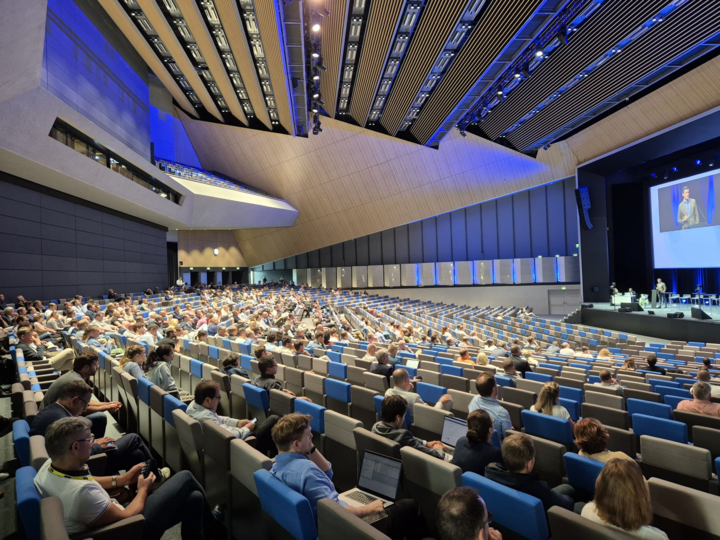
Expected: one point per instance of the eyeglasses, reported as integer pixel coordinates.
(489, 519)
(87, 404)
(91, 439)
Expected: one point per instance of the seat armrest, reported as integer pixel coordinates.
(96, 464)
(131, 527)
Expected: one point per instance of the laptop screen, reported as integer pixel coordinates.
(380, 475)
(453, 429)
(413, 363)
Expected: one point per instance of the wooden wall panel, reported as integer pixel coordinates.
(195, 249)
(333, 40)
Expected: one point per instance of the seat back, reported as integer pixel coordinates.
(526, 398)
(286, 507)
(258, 401)
(376, 382)
(192, 442)
(693, 419)
(528, 385)
(367, 440)
(157, 419)
(548, 427)
(605, 400)
(684, 512)
(281, 403)
(356, 375)
(461, 403)
(52, 520)
(238, 403)
(173, 449)
(506, 504)
(430, 393)
(317, 412)
(661, 428)
(217, 462)
(427, 478)
(21, 441)
(649, 408)
(515, 412)
(340, 449)
(607, 415)
(622, 440)
(549, 462)
(28, 502)
(38, 454)
(582, 472)
(333, 518)
(295, 380)
(362, 405)
(676, 462)
(567, 525)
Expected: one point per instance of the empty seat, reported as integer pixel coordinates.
(245, 504)
(658, 410)
(607, 415)
(379, 383)
(676, 462)
(428, 421)
(340, 449)
(661, 428)
(526, 398)
(549, 427)
(683, 512)
(362, 406)
(338, 396)
(258, 402)
(281, 403)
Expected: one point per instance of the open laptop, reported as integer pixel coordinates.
(413, 363)
(379, 479)
(453, 429)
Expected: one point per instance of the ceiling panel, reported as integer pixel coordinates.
(332, 40)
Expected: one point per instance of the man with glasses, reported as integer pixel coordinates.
(461, 515)
(87, 503)
(204, 407)
(122, 454)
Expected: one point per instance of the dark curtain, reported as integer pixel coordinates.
(172, 263)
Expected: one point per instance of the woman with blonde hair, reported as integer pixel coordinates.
(482, 359)
(629, 365)
(133, 360)
(604, 353)
(622, 501)
(591, 439)
(547, 403)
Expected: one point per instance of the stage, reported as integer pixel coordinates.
(658, 325)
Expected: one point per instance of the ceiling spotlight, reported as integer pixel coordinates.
(321, 64)
(500, 93)
(316, 74)
(698, 162)
(674, 169)
(316, 118)
(323, 12)
(314, 107)
(539, 53)
(316, 27)
(665, 176)
(518, 75)
(316, 95)
(711, 163)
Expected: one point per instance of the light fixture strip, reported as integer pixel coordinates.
(291, 15)
(252, 33)
(212, 21)
(404, 31)
(460, 34)
(602, 59)
(147, 30)
(356, 26)
(560, 30)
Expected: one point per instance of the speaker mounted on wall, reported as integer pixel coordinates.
(582, 195)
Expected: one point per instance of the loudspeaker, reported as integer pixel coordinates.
(625, 310)
(676, 315)
(582, 196)
(634, 306)
(698, 313)
(587, 306)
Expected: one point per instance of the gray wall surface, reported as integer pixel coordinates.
(52, 248)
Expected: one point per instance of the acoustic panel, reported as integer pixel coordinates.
(503, 271)
(344, 277)
(410, 275)
(393, 276)
(464, 273)
(568, 269)
(545, 270)
(375, 275)
(428, 277)
(524, 270)
(482, 272)
(445, 272)
(360, 277)
(329, 277)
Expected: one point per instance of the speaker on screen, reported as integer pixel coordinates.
(698, 313)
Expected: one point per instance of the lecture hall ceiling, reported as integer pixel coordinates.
(521, 72)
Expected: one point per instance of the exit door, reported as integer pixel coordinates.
(563, 302)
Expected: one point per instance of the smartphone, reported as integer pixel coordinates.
(253, 421)
(111, 446)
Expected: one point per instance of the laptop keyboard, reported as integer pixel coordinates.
(362, 498)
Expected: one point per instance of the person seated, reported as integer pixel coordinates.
(133, 361)
(509, 369)
(390, 426)
(300, 466)
(487, 390)
(707, 363)
(518, 452)
(204, 407)
(34, 350)
(270, 344)
(268, 368)
(382, 366)
(318, 342)
(704, 376)
(461, 514)
(652, 361)
(501, 351)
(700, 403)
(231, 366)
(464, 357)
(372, 350)
(521, 364)
(607, 381)
(482, 360)
(547, 403)
(585, 353)
(566, 350)
(73, 400)
(604, 353)
(552, 348)
(157, 368)
(474, 452)
(403, 386)
(622, 501)
(87, 503)
(629, 365)
(591, 439)
(151, 335)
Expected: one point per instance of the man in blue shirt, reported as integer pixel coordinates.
(301, 467)
(486, 400)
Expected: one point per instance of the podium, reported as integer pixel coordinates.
(654, 298)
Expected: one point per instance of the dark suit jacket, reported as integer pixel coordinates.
(30, 354)
(383, 369)
(475, 457)
(521, 365)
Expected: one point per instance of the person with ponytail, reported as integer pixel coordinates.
(133, 360)
(547, 403)
(474, 451)
(157, 367)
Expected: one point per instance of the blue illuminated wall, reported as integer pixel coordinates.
(170, 140)
(89, 65)
(538, 222)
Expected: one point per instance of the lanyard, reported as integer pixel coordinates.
(63, 475)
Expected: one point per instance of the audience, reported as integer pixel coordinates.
(652, 360)
(266, 380)
(700, 403)
(403, 386)
(518, 453)
(461, 515)
(133, 360)
(607, 381)
(704, 376)
(509, 369)
(382, 365)
(591, 438)
(585, 353)
(566, 350)
(629, 365)
(548, 403)
(521, 364)
(390, 426)
(157, 368)
(622, 501)
(34, 350)
(231, 366)
(474, 452)
(487, 390)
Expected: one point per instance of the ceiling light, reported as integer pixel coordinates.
(517, 75)
(314, 107)
(316, 74)
(539, 54)
(316, 27)
(500, 93)
(316, 118)
(323, 12)
(316, 95)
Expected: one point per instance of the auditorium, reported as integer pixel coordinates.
(360, 269)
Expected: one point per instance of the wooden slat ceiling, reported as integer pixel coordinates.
(438, 21)
(605, 29)
(267, 20)
(381, 25)
(232, 24)
(332, 41)
(692, 23)
(159, 22)
(498, 25)
(205, 43)
(131, 32)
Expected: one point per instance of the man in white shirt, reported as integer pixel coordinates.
(404, 387)
(204, 407)
(584, 354)
(151, 336)
(371, 351)
(566, 350)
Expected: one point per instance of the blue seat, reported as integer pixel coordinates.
(443, 361)
(337, 348)
(586, 367)
(641, 406)
(539, 377)
(144, 390)
(21, 440)
(672, 391)
(338, 390)
(659, 427)
(170, 403)
(572, 406)
(227, 344)
(412, 372)
(549, 366)
(285, 506)
(566, 392)
(547, 427)
(504, 381)
(333, 356)
(654, 383)
(28, 502)
(245, 348)
(430, 393)
(674, 401)
(451, 370)
(506, 504)
(245, 362)
(196, 368)
(338, 370)
(696, 344)
(214, 352)
(582, 472)
(317, 424)
(257, 397)
(378, 409)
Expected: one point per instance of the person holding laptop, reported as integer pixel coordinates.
(473, 452)
(392, 418)
(300, 466)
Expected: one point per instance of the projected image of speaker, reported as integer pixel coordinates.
(697, 313)
(632, 306)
